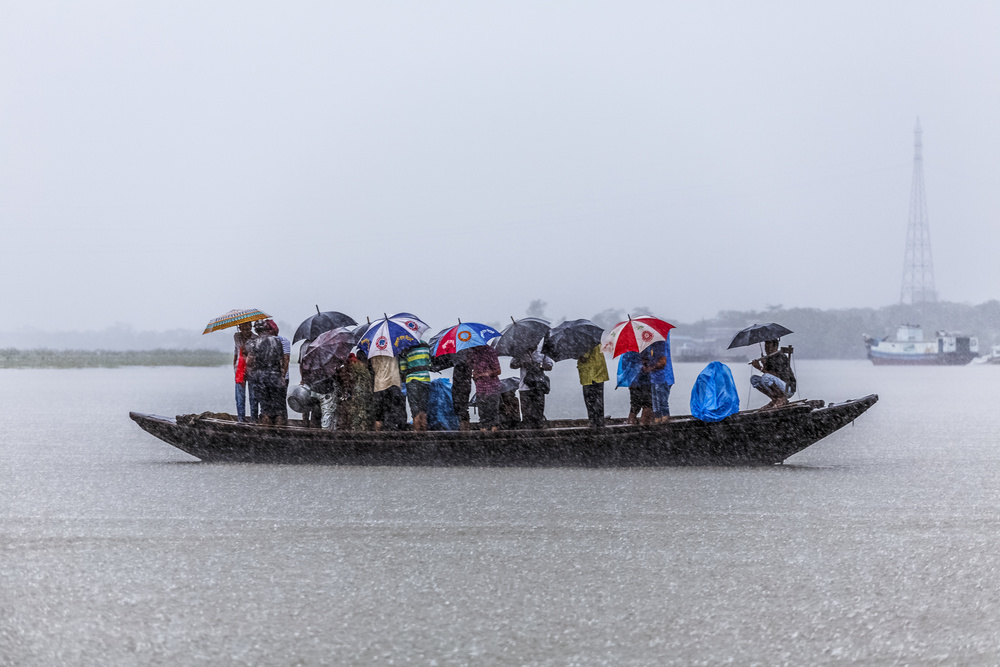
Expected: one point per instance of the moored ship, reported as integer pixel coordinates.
(910, 348)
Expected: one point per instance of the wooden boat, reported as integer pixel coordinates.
(744, 439)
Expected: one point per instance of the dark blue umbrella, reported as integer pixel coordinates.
(572, 340)
(320, 323)
(521, 336)
(758, 333)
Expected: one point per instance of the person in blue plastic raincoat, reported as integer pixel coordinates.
(657, 366)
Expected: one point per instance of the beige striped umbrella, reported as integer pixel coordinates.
(235, 318)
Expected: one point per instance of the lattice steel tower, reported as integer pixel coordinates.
(918, 269)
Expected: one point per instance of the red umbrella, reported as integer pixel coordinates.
(635, 335)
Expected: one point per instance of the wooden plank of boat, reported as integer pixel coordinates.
(747, 438)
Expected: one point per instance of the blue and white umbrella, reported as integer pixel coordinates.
(390, 335)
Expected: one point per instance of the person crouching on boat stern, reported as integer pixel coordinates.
(265, 360)
(777, 381)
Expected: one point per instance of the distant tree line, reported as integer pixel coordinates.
(13, 358)
(831, 334)
(837, 334)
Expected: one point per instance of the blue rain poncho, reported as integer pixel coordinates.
(440, 411)
(629, 365)
(714, 396)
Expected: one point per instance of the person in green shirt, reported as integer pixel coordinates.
(593, 371)
(415, 369)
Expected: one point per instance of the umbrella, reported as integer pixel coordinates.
(446, 344)
(521, 336)
(320, 322)
(572, 340)
(460, 337)
(326, 354)
(635, 335)
(506, 384)
(390, 335)
(758, 333)
(235, 318)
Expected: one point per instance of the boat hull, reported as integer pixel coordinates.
(743, 439)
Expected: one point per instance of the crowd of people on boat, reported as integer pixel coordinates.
(357, 392)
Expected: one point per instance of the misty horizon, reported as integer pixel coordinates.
(164, 164)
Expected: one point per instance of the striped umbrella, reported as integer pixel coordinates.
(635, 335)
(235, 318)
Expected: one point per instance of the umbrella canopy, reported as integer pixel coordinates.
(758, 333)
(521, 336)
(321, 322)
(460, 337)
(389, 336)
(235, 318)
(326, 354)
(572, 340)
(506, 384)
(635, 335)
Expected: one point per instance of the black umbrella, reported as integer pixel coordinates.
(321, 322)
(506, 384)
(521, 336)
(758, 333)
(572, 340)
(325, 355)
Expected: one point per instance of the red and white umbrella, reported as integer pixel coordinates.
(635, 335)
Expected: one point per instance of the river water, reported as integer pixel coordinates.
(879, 545)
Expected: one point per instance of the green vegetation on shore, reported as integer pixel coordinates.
(819, 334)
(13, 358)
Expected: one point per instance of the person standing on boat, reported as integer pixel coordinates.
(361, 405)
(593, 370)
(640, 399)
(777, 381)
(244, 334)
(286, 350)
(486, 373)
(312, 416)
(265, 361)
(534, 385)
(388, 393)
(657, 366)
(461, 389)
(415, 367)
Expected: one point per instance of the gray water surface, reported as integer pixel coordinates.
(878, 545)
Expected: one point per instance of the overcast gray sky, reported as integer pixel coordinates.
(161, 163)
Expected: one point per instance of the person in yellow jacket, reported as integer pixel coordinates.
(593, 371)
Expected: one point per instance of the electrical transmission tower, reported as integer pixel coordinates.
(918, 269)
